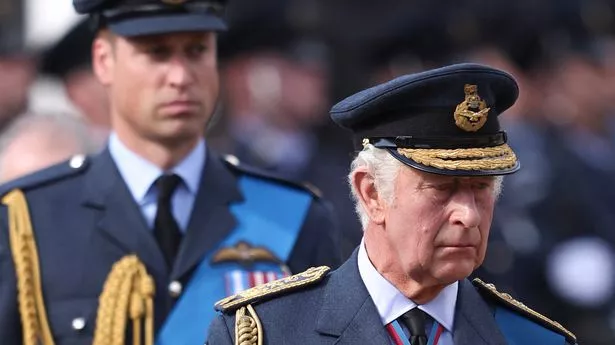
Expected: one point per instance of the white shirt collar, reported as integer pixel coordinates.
(391, 303)
(139, 174)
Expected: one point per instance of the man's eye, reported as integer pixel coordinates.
(159, 52)
(444, 187)
(196, 50)
(482, 185)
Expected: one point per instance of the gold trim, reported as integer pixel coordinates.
(128, 295)
(471, 114)
(248, 328)
(309, 277)
(488, 158)
(509, 300)
(34, 321)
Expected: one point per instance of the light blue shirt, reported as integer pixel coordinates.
(140, 175)
(391, 303)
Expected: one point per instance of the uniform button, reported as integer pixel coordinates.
(76, 162)
(233, 160)
(175, 289)
(78, 324)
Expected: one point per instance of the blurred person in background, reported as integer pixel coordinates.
(36, 141)
(275, 77)
(69, 61)
(17, 71)
(17, 62)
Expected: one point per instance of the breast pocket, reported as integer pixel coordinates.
(73, 321)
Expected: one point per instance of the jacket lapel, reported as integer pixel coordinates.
(474, 321)
(119, 217)
(211, 220)
(348, 311)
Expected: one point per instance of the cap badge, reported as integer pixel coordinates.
(174, 2)
(471, 114)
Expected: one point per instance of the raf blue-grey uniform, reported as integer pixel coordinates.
(335, 307)
(89, 212)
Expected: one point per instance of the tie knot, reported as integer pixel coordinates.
(166, 185)
(415, 320)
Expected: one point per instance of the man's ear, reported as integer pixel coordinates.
(103, 58)
(368, 195)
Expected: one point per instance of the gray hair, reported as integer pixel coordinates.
(384, 168)
(58, 125)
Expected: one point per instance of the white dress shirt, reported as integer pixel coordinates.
(391, 303)
(140, 175)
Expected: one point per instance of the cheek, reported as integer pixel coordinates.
(486, 210)
(418, 229)
(138, 89)
(209, 82)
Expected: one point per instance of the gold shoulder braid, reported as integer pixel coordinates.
(248, 329)
(128, 291)
(278, 287)
(35, 326)
(515, 305)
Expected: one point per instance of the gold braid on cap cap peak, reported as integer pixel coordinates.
(487, 158)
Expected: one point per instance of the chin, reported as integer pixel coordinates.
(454, 271)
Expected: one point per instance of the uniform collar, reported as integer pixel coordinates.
(391, 303)
(139, 173)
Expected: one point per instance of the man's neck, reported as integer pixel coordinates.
(163, 155)
(420, 291)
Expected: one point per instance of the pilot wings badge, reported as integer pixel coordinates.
(245, 254)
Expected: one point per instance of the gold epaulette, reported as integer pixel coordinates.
(272, 289)
(516, 306)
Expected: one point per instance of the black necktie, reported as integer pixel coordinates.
(166, 230)
(414, 319)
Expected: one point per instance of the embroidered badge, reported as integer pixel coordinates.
(245, 254)
(471, 114)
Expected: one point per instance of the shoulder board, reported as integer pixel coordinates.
(273, 289)
(75, 165)
(234, 163)
(489, 291)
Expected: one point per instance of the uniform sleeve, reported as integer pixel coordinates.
(219, 333)
(319, 241)
(10, 325)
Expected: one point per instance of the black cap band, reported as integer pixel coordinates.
(412, 142)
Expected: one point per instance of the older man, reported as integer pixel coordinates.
(425, 185)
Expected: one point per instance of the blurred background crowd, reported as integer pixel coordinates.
(283, 64)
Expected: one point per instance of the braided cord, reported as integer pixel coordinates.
(35, 325)
(128, 293)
